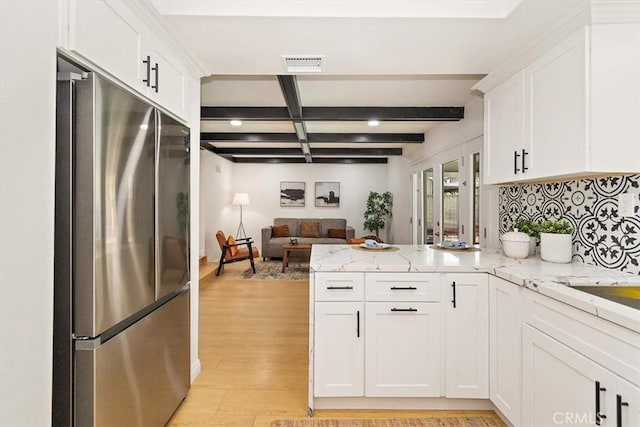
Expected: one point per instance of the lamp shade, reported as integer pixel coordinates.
(241, 199)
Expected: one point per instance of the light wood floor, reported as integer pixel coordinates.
(253, 350)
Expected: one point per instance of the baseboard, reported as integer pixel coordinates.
(196, 367)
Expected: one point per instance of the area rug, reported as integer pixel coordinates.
(272, 270)
(461, 421)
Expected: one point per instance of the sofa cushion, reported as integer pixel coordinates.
(292, 223)
(309, 229)
(337, 233)
(335, 223)
(280, 231)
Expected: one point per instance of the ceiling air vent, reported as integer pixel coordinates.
(304, 63)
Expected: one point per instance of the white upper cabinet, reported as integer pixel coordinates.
(556, 110)
(504, 141)
(573, 111)
(110, 35)
(116, 39)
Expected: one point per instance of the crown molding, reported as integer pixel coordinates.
(585, 14)
(526, 56)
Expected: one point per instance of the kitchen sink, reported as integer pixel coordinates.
(628, 295)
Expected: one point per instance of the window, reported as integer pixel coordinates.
(476, 198)
(429, 207)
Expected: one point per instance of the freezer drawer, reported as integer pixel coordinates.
(138, 377)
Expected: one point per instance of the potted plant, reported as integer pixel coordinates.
(531, 228)
(555, 241)
(378, 210)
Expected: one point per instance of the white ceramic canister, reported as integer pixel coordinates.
(516, 244)
(555, 247)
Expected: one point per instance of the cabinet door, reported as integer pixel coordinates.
(466, 335)
(559, 384)
(110, 35)
(168, 78)
(626, 413)
(339, 349)
(504, 131)
(556, 109)
(505, 347)
(403, 349)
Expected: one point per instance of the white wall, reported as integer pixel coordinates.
(448, 135)
(28, 34)
(216, 178)
(399, 182)
(193, 106)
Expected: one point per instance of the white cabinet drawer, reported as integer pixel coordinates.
(403, 287)
(612, 346)
(339, 286)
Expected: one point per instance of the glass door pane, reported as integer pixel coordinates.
(429, 208)
(476, 198)
(450, 200)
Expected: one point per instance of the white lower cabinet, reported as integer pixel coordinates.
(403, 346)
(339, 349)
(561, 386)
(505, 347)
(466, 335)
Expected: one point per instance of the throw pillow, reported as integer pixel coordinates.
(280, 231)
(233, 250)
(337, 233)
(309, 229)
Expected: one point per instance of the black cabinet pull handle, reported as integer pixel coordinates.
(148, 64)
(619, 405)
(403, 288)
(524, 155)
(358, 323)
(404, 309)
(453, 287)
(156, 70)
(339, 287)
(515, 162)
(599, 416)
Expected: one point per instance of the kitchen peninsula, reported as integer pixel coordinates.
(412, 327)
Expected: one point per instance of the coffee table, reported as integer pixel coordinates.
(293, 248)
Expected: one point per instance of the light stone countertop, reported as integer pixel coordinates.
(543, 277)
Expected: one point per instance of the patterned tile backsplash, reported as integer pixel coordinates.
(600, 235)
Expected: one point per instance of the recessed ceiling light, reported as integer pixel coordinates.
(235, 122)
(373, 122)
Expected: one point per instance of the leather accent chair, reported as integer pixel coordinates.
(245, 251)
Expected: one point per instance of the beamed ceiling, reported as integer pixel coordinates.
(301, 126)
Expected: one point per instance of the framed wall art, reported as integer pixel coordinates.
(292, 194)
(327, 194)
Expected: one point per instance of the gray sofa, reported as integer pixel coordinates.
(272, 246)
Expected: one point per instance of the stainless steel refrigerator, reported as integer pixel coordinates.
(121, 296)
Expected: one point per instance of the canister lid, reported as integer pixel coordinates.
(515, 236)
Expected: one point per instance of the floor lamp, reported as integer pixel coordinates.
(241, 199)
